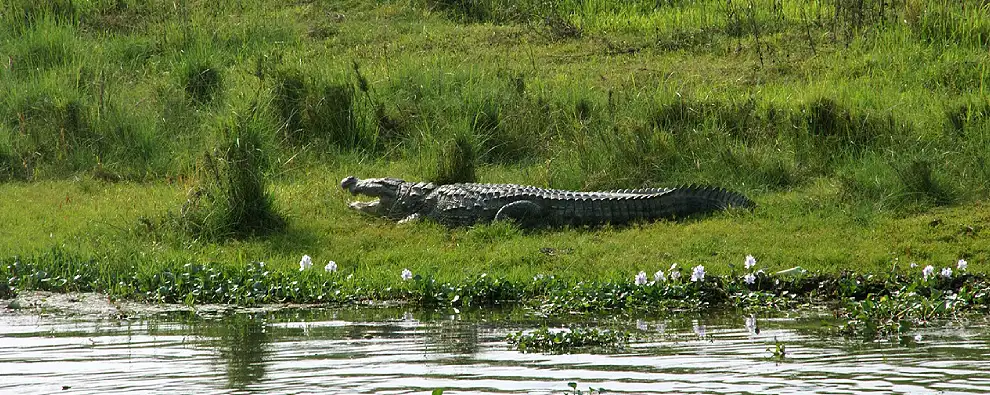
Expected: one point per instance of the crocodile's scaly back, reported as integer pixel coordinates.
(467, 204)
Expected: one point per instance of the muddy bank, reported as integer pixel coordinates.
(93, 304)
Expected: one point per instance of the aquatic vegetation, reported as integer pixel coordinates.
(640, 278)
(750, 262)
(659, 276)
(913, 303)
(751, 325)
(698, 273)
(575, 391)
(872, 306)
(675, 272)
(330, 267)
(305, 263)
(778, 350)
(566, 340)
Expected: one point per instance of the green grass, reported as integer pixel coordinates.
(860, 128)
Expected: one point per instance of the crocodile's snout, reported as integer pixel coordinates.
(348, 183)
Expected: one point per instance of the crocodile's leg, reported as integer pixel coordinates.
(524, 212)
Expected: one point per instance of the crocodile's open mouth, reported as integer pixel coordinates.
(384, 189)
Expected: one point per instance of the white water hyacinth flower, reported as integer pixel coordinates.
(698, 329)
(946, 272)
(330, 267)
(914, 265)
(305, 263)
(641, 278)
(641, 325)
(751, 325)
(918, 338)
(698, 274)
(659, 276)
(962, 264)
(749, 278)
(406, 275)
(675, 275)
(928, 271)
(750, 262)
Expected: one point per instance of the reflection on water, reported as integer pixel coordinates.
(394, 351)
(241, 342)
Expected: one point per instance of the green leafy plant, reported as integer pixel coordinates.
(568, 340)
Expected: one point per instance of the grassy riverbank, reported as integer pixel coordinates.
(860, 128)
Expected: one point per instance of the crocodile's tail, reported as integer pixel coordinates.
(692, 200)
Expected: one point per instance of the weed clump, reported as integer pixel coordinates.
(312, 110)
(835, 124)
(231, 201)
(332, 115)
(457, 162)
(290, 102)
(202, 82)
(918, 179)
(466, 10)
(960, 116)
(29, 13)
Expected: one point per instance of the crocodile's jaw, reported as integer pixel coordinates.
(386, 190)
(372, 207)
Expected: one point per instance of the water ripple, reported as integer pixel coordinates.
(341, 353)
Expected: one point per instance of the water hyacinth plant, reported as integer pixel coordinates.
(305, 263)
(962, 265)
(928, 271)
(675, 272)
(750, 262)
(406, 275)
(659, 276)
(751, 325)
(330, 267)
(565, 340)
(640, 278)
(698, 273)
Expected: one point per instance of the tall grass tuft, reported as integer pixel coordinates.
(231, 201)
(332, 116)
(840, 127)
(314, 111)
(921, 182)
(201, 77)
(457, 161)
(289, 101)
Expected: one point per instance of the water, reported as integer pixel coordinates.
(388, 351)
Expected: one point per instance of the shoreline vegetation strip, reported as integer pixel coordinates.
(873, 305)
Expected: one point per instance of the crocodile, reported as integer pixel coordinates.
(467, 204)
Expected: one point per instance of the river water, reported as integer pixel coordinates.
(392, 351)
